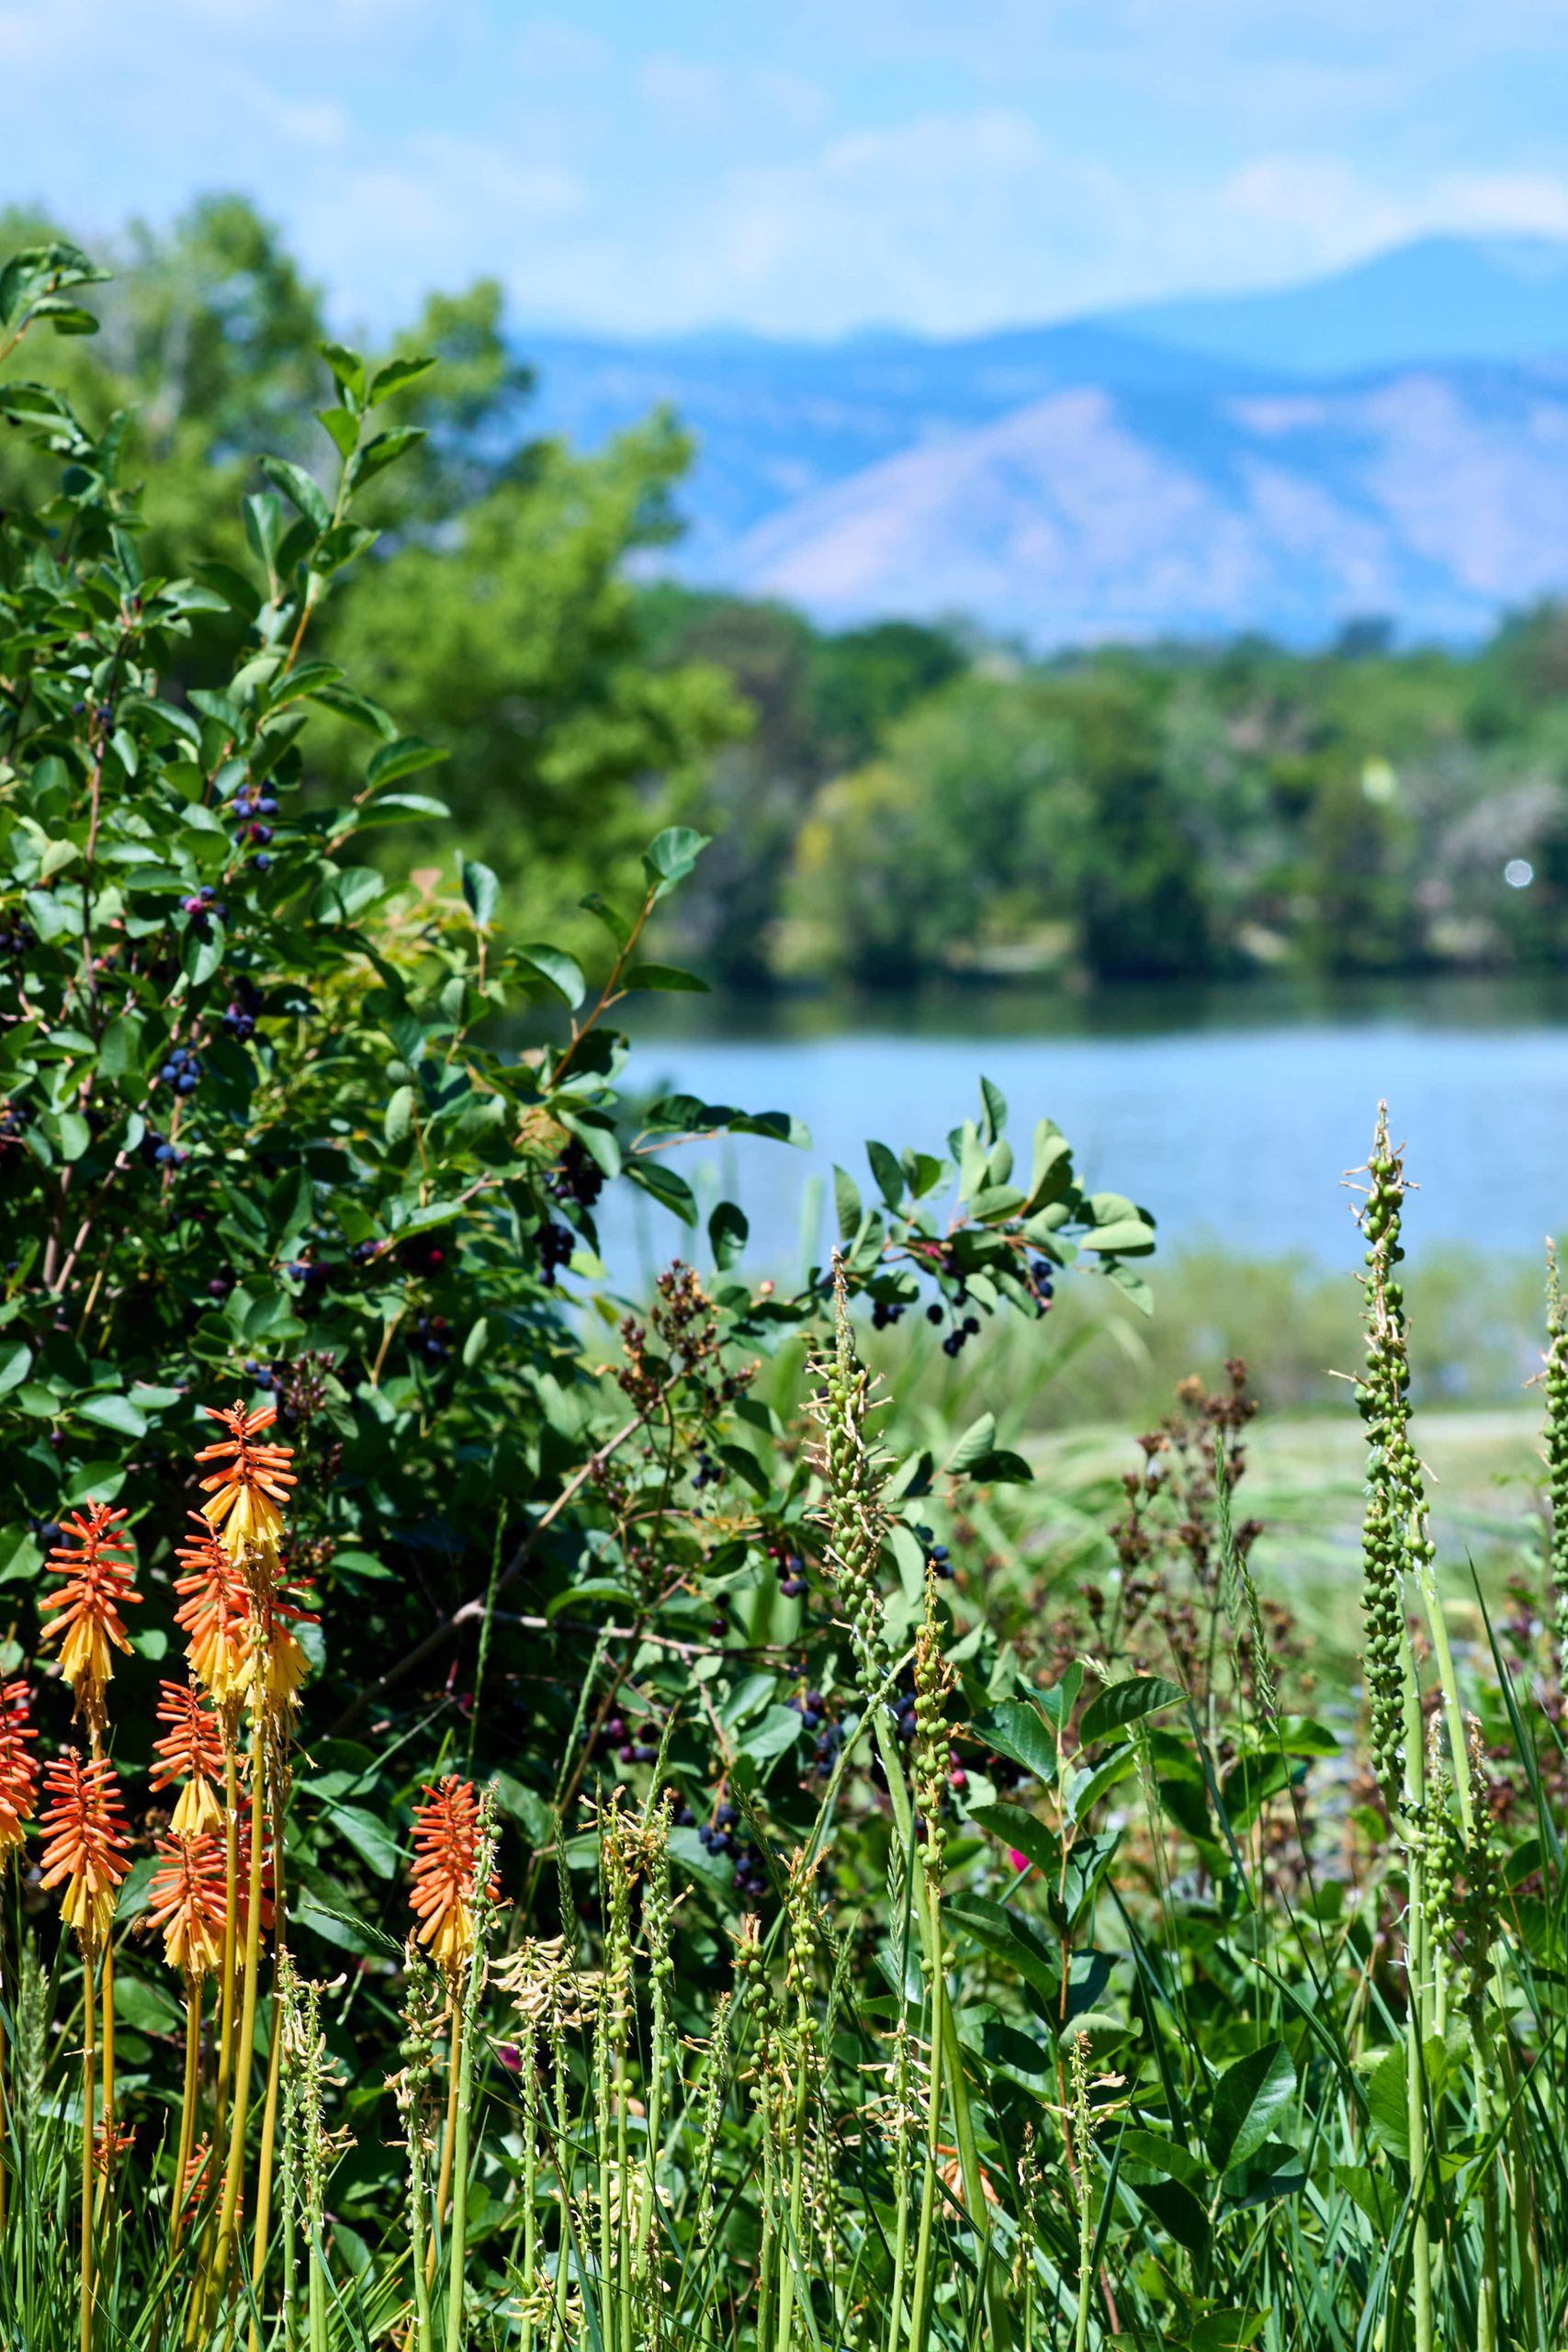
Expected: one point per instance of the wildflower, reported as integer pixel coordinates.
(196, 2166)
(87, 1839)
(214, 1612)
(549, 1989)
(97, 1583)
(219, 1610)
(246, 1496)
(447, 1842)
(185, 1901)
(190, 1750)
(110, 2142)
(19, 1766)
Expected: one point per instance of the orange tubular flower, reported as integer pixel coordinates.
(87, 1839)
(246, 1497)
(98, 1583)
(447, 1841)
(185, 1901)
(190, 1750)
(214, 1611)
(19, 1766)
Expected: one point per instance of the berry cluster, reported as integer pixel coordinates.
(719, 1837)
(1042, 1281)
(181, 1070)
(556, 1244)
(16, 938)
(157, 1152)
(431, 1340)
(12, 1125)
(812, 1709)
(960, 1334)
(202, 904)
(884, 1313)
(640, 1746)
(250, 806)
(239, 1020)
(312, 1275)
(935, 1552)
(576, 1176)
(705, 1471)
(788, 1567)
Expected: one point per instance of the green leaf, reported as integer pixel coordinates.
(1128, 1702)
(396, 373)
(359, 708)
(371, 1842)
(1178, 2211)
(400, 1116)
(383, 451)
(846, 1201)
(1249, 2099)
(301, 488)
(728, 1231)
(525, 1806)
(666, 977)
(1018, 1731)
(996, 1118)
(977, 1440)
(890, 1175)
(777, 1730)
(16, 1363)
(480, 887)
(670, 856)
(114, 1413)
(562, 971)
(665, 1186)
(341, 426)
(74, 1134)
(1015, 1827)
(405, 757)
(348, 369)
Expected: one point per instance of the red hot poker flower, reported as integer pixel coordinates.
(447, 1841)
(97, 1573)
(246, 1497)
(88, 1837)
(186, 1901)
(18, 1765)
(214, 1612)
(190, 1750)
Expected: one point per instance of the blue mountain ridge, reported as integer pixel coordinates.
(1394, 439)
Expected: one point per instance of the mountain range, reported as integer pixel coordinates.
(1392, 440)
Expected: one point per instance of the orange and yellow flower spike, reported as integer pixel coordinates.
(445, 1839)
(18, 1765)
(190, 1750)
(97, 1572)
(246, 1497)
(214, 1612)
(185, 1902)
(87, 1840)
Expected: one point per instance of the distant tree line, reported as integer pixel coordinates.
(890, 802)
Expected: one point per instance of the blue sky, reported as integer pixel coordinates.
(945, 164)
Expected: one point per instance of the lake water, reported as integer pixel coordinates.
(1231, 1112)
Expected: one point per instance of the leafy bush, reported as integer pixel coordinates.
(816, 1964)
